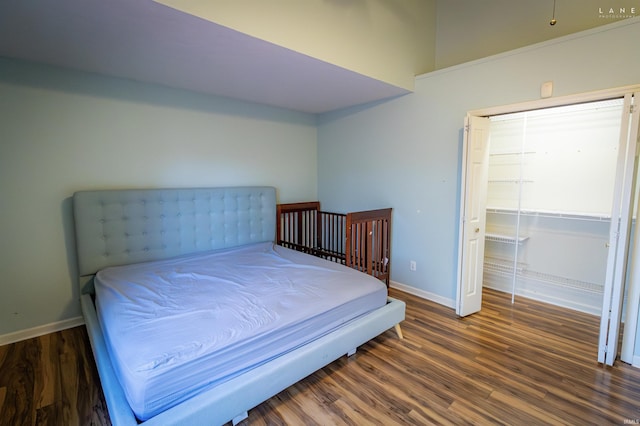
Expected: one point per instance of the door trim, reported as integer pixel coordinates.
(598, 95)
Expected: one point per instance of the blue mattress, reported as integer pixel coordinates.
(176, 327)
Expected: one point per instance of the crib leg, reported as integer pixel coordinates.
(399, 331)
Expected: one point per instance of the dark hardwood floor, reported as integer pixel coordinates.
(51, 380)
(528, 363)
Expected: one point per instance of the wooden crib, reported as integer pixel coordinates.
(361, 240)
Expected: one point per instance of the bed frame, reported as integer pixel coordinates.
(116, 227)
(360, 240)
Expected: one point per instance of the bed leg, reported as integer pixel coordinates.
(240, 417)
(399, 331)
(351, 352)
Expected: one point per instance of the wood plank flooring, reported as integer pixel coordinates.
(528, 363)
(51, 380)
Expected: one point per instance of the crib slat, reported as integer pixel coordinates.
(295, 225)
(369, 249)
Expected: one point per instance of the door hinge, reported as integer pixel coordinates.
(631, 109)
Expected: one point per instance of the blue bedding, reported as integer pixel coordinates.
(178, 326)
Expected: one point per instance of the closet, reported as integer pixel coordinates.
(546, 209)
(550, 189)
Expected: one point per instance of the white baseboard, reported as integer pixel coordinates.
(449, 303)
(40, 330)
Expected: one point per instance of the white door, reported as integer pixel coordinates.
(475, 169)
(627, 350)
(619, 234)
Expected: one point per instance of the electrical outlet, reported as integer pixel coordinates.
(412, 265)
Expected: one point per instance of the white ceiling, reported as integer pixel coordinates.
(146, 41)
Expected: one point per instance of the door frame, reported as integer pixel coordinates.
(629, 336)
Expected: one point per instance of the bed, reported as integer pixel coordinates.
(166, 355)
(360, 240)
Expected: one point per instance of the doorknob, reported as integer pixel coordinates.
(477, 230)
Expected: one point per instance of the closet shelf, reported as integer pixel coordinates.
(503, 266)
(549, 214)
(503, 238)
(510, 181)
(496, 154)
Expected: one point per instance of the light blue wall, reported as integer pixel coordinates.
(406, 153)
(62, 131)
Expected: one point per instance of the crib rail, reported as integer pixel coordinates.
(304, 227)
(360, 240)
(297, 226)
(331, 236)
(369, 242)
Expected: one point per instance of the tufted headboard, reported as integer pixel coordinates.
(116, 227)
